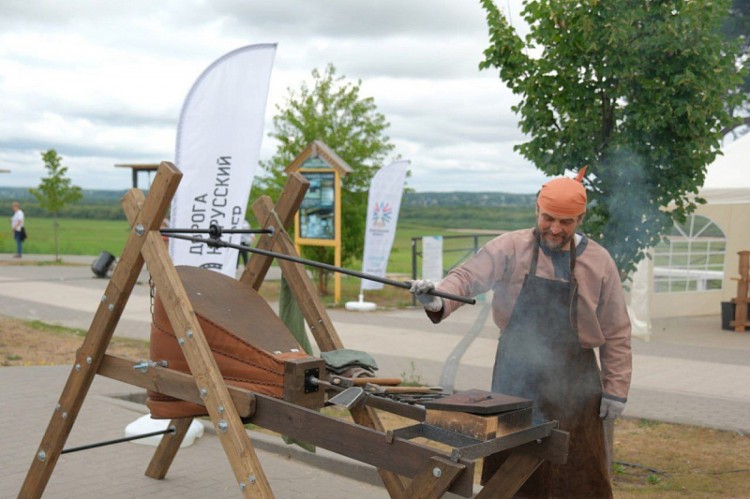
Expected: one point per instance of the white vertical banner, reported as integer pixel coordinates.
(432, 258)
(383, 205)
(218, 147)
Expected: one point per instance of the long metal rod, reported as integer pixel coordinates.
(325, 266)
(210, 231)
(171, 429)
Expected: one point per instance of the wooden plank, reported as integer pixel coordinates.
(100, 332)
(170, 382)
(553, 448)
(307, 297)
(288, 204)
(302, 287)
(353, 440)
(510, 477)
(167, 449)
(434, 479)
(229, 428)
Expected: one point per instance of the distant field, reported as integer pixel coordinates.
(75, 236)
(91, 237)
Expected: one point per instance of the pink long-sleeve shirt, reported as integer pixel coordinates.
(603, 320)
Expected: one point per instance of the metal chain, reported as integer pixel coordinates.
(151, 294)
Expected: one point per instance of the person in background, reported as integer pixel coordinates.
(557, 296)
(245, 240)
(16, 223)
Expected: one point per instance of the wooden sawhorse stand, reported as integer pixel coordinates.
(741, 321)
(432, 476)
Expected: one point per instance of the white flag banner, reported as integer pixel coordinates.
(218, 147)
(383, 204)
(432, 258)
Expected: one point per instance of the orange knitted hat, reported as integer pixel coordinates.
(564, 196)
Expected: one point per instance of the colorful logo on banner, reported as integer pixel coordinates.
(381, 215)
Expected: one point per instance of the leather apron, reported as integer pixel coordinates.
(540, 358)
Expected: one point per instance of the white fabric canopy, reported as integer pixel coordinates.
(728, 177)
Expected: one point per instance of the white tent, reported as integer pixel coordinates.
(727, 192)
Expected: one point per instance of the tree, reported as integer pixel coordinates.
(634, 89)
(331, 110)
(56, 190)
(736, 28)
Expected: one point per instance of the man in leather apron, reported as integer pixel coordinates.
(556, 296)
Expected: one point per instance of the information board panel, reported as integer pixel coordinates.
(317, 213)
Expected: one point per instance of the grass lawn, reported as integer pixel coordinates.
(91, 237)
(74, 236)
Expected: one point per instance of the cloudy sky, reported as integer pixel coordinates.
(103, 82)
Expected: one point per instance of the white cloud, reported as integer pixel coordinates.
(104, 83)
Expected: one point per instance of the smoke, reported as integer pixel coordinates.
(625, 213)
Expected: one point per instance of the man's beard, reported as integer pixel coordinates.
(556, 243)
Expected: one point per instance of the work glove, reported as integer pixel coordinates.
(611, 406)
(420, 288)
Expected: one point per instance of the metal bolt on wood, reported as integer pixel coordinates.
(204, 393)
(223, 426)
(65, 415)
(58, 407)
(243, 486)
(78, 367)
(104, 298)
(221, 409)
(189, 333)
(42, 455)
(139, 229)
(251, 479)
(89, 360)
(181, 341)
(111, 307)
(437, 472)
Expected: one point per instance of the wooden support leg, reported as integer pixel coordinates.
(433, 481)
(512, 474)
(305, 292)
(287, 206)
(740, 303)
(221, 409)
(168, 447)
(100, 332)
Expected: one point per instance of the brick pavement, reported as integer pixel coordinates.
(30, 395)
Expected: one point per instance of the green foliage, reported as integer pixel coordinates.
(333, 111)
(635, 90)
(56, 189)
(653, 479)
(736, 29)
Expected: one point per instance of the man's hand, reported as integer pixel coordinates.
(611, 407)
(421, 288)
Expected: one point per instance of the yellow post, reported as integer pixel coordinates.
(318, 222)
(337, 248)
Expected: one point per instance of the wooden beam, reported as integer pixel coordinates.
(302, 287)
(355, 441)
(306, 294)
(167, 449)
(434, 480)
(510, 477)
(288, 204)
(170, 382)
(100, 332)
(221, 409)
